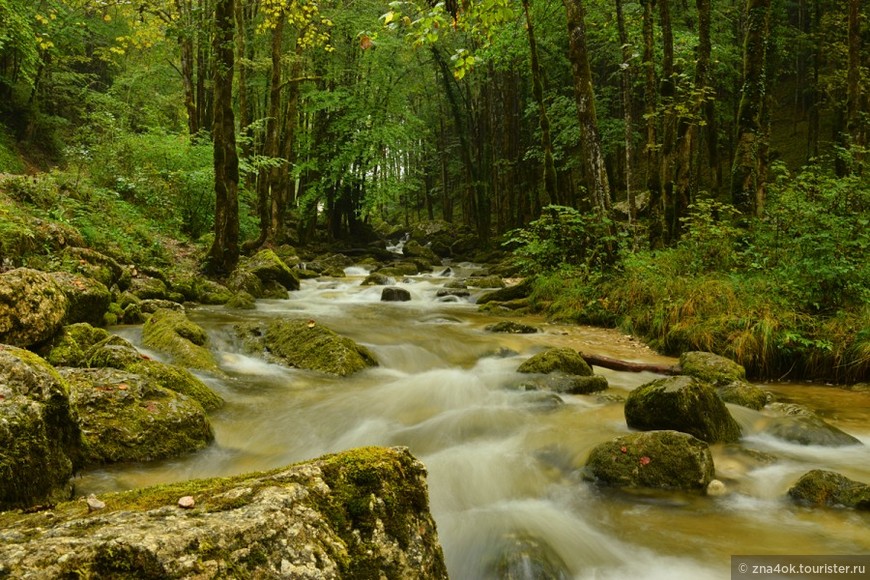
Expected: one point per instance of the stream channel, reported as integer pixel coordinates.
(505, 465)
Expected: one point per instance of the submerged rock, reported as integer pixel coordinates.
(32, 307)
(654, 459)
(711, 368)
(563, 360)
(40, 442)
(801, 425)
(511, 327)
(173, 333)
(743, 394)
(528, 558)
(376, 279)
(828, 488)
(683, 404)
(395, 294)
(363, 513)
(129, 417)
(305, 344)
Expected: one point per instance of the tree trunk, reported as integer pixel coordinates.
(550, 186)
(653, 177)
(853, 79)
(669, 121)
(224, 253)
(185, 43)
(685, 181)
(746, 179)
(626, 111)
(598, 187)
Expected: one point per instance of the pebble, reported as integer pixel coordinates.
(187, 502)
(94, 504)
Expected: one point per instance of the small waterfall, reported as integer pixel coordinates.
(400, 244)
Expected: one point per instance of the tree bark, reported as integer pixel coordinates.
(853, 78)
(550, 186)
(598, 186)
(626, 111)
(653, 177)
(629, 366)
(747, 180)
(224, 253)
(669, 121)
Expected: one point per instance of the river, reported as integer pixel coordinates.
(504, 465)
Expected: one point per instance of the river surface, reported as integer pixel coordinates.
(504, 465)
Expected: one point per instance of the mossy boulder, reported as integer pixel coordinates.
(88, 298)
(32, 307)
(508, 293)
(92, 264)
(414, 249)
(711, 368)
(376, 279)
(524, 556)
(798, 424)
(148, 287)
(200, 289)
(242, 301)
(69, 347)
(124, 416)
(485, 282)
(306, 345)
(828, 488)
(363, 513)
(399, 269)
(683, 404)
(395, 294)
(567, 384)
(564, 360)
(511, 327)
(743, 394)
(268, 267)
(40, 441)
(152, 305)
(178, 379)
(113, 351)
(244, 281)
(653, 459)
(186, 342)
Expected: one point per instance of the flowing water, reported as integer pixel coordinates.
(504, 465)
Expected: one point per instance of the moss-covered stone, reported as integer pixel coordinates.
(743, 394)
(32, 307)
(40, 441)
(413, 249)
(508, 293)
(128, 417)
(362, 513)
(800, 425)
(376, 279)
(711, 368)
(399, 269)
(113, 351)
(568, 384)
(268, 267)
(828, 488)
(186, 342)
(242, 301)
(564, 360)
(528, 557)
(306, 345)
(69, 347)
(177, 379)
(683, 404)
(92, 264)
(511, 327)
(654, 459)
(485, 282)
(395, 294)
(148, 287)
(88, 298)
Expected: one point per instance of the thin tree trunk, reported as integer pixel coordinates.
(185, 43)
(653, 177)
(224, 253)
(626, 111)
(550, 186)
(746, 178)
(598, 185)
(853, 78)
(669, 121)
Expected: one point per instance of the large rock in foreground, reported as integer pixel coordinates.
(683, 404)
(171, 332)
(363, 513)
(655, 459)
(129, 417)
(39, 436)
(306, 345)
(828, 488)
(32, 307)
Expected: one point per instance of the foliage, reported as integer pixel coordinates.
(564, 236)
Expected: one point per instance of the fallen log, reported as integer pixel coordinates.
(629, 366)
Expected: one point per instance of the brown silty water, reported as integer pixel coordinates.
(504, 464)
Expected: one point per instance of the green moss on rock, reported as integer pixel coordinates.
(128, 417)
(711, 368)
(563, 360)
(654, 459)
(828, 488)
(173, 333)
(178, 379)
(88, 298)
(307, 345)
(683, 404)
(40, 441)
(241, 300)
(743, 394)
(32, 307)
(362, 513)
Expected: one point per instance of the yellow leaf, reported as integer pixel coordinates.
(107, 18)
(389, 17)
